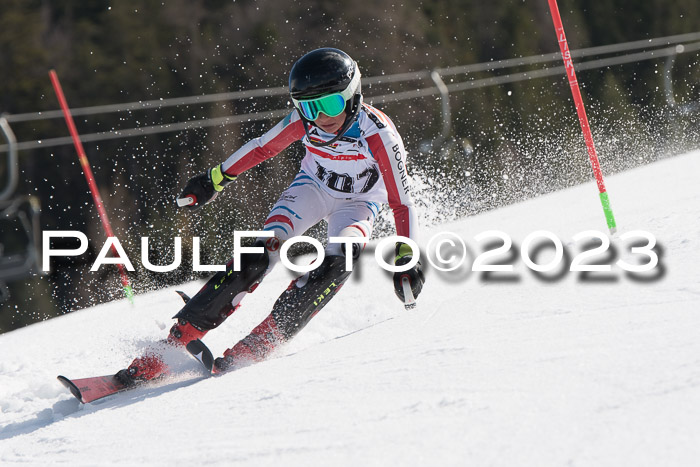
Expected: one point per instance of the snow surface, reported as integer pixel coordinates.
(484, 372)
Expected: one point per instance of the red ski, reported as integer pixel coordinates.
(90, 389)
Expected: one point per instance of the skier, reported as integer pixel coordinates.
(355, 161)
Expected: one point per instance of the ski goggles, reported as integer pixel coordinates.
(331, 105)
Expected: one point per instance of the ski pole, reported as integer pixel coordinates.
(582, 118)
(128, 291)
(409, 299)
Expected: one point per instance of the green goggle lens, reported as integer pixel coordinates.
(331, 105)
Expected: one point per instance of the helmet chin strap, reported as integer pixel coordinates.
(348, 121)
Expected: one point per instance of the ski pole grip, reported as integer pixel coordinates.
(186, 201)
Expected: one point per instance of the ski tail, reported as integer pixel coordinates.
(201, 352)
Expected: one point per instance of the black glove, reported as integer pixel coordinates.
(415, 275)
(203, 188)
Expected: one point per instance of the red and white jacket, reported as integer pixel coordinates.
(368, 162)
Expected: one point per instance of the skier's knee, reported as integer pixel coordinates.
(361, 231)
(355, 252)
(272, 247)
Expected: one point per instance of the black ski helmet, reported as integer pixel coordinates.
(323, 72)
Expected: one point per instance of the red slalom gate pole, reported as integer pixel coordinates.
(128, 291)
(582, 118)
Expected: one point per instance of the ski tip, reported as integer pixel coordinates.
(71, 387)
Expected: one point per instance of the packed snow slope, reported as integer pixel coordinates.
(521, 370)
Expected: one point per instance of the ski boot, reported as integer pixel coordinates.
(215, 302)
(147, 368)
(151, 365)
(293, 310)
(253, 348)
